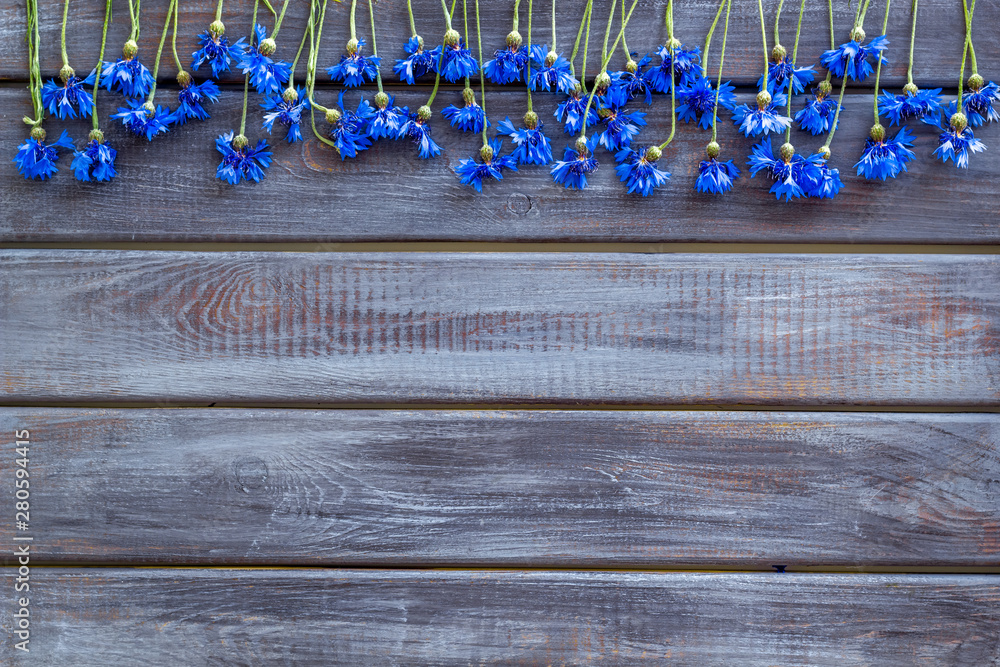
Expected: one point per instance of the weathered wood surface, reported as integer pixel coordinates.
(937, 53)
(739, 490)
(167, 190)
(251, 328)
(253, 617)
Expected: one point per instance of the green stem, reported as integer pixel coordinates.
(305, 34)
(482, 79)
(913, 36)
(553, 25)
(833, 37)
(277, 22)
(517, 6)
(718, 84)
(34, 68)
(607, 33)
(354, 31)
(791, 79)
(437, 76)
(218, 11)
(378, 70)
(605, 61)
(878, 68)
(965, 49)
(133, 10)
(246, 79)
(586, 45)
(763, 34)
(673, 88)
(527, 65)
(268, 4)
(836, 114)
(100, 62)
(969, 9)
(859, 16)
(159, 50)
(708, 39)
(777, 18)
(62, 38)
(579, 36)
(447, 15)
(628, 54)
(413, 24)
(173, 41)
(314, 37)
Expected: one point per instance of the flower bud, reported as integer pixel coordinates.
(786, 152)
(712, 150)
(486, 152)
(550, 58)
(604, 113)
(824, 88)
(513, 39)
(184, 79)
(149, 109)
(910, 89)
(332, 116)
(858, 34)
(468, 96)
(420, 42)
(65, 73)
(452, 38)
(976, 82)
(602, 80)
(267, 47)
(763, 99)
(240, 142)
(877, 133)
(778, 53)
(674, 43)
(824, 152)
(38, 133)
(96, 135)
(352, 47)
(218, 28)
(381, 100)
(531, 120)
(652, 154)
(130, 49)
(581, 146)
(290, 95)
(424, 113)
(631, 66)
(958, 122)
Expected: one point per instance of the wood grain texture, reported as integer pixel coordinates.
(151, 616)
(937, 53)
(167, 191)
(250, 328)
(740, 490)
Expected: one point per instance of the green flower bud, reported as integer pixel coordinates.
(824, 152)
(240, 142)
(778, 53)
(38, 133)
(332, 116)
(786, 152)
(976, 82)
(958, 121)
(468, 96)
(451, 38)
(130, 49)
(184, 79)
(267, 47)
(290, 95)
(763, 99)
(217, 28)
(631, 66)
(352, 46)
(581, 146)
(531, 120)
(910, 89)
(550, 58)
(486, 152)
(149, 109)
(858, 34)
(424, 113)
(65, 73)
(877, 133)
(97, 135)
(514, 39)
(824, 88)
(712, 150)
(602, 80)
(653, 154)
(381, 100)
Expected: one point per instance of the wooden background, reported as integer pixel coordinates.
(359, 414)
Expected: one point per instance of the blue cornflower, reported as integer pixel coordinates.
(127, 74)
(418, 62)
(386, 120)
(638, 170)
(532, 146)
(697, 96)
(349, 129)
(572, 109)
(572, 170)
(956, 141)
(96, 161)
(913, 103)
(239, 161)
(143, 120)
(778, 73)
(766, 118)
(883, 158)
(852, 58)
(458, 61)
(36, 159)
(470, 118)
(977, 103)
(472, 172)
(629, 83)
(190, 98)
(508, 63)
(416, 128)
(286, 110)
(621, 127)
(715, 177)
(793, 174)
(818, 114)
(354, 69)
(64, 100)
(550, 70)
(826, 183)
(685, 61)
(217, 52)
(267, 76)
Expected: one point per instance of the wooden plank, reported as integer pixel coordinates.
(740, 490)
(251, 328)
(167, 191)
(104, 617)
(938, 48)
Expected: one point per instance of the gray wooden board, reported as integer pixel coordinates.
(167, 190)
(251, 328)
(938, 48)
(377, 617)
(738, 490)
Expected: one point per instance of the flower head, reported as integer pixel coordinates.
(572, 170)
(977, 102)
(956, 141)
(386, 120)
(144, 120)
(885, 158)
(783, 69)
(267, 76)
(629, 83)
(190, 98)
(469, 118)
(767, 117)
(96, 161)
(696, 96)
(793, 174)
(129, 76)
(417, 129)
(418, 61)
(217, 52)
(532, 146)
(239, 161)
(349, 129)
(913, 103)
(570, 113)
(472, 172)
(354, 68)
(818, 114)
(714, 176)
(36, 159)
(509, 63)
(286, 110)
(457, 60)
(66, 99)
(550, 71)
(621, 127)
(852, 58)
(638, 170)
(685, 63)
(826, 183)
